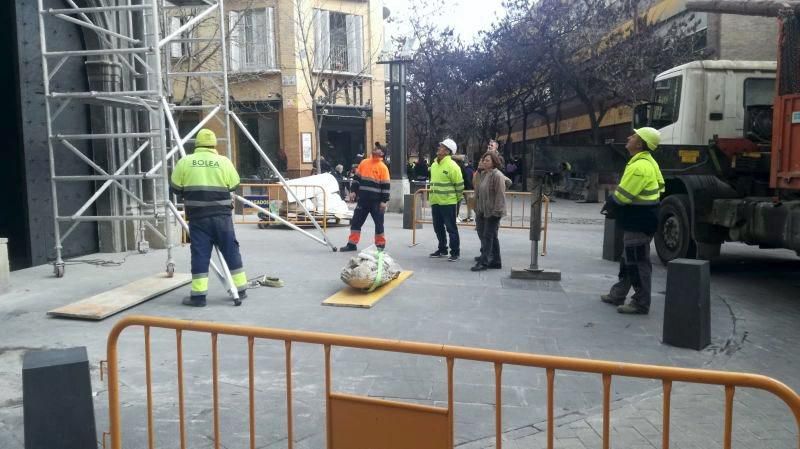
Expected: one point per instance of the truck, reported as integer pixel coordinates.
(730, 149)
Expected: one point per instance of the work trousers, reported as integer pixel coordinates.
(488, 228)
(444, 219)
(364, 209)
(206, 233)
(635, 270)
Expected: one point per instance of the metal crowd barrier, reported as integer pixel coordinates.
(269, 196)
(411, 425)
(517, 215)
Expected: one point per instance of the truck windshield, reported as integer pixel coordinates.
(668, 100)
(758, 91)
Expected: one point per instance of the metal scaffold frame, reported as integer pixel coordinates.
(137, 98)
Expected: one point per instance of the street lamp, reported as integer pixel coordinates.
(398, 151)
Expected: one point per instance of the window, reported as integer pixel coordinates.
(758, 91)
(252, 40)
(338, 41)
(178, 48)
(668, 102)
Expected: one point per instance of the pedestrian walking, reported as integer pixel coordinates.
(446, 189)
(371, 184)
(634, 204)
(490, 207)
(206, 179)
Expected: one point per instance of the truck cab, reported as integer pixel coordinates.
(716, 154)
(697, 101)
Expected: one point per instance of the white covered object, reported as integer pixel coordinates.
(313, 198)
(361, 271)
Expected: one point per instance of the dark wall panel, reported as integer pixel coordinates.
(75, 119)
(14, 217)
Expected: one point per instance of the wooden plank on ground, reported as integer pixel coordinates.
(353, 297)
(105, 304)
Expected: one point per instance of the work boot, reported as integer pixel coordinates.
(479, 267)
(495, 266)
(453, 257)
(477, 258)
(194, 301)
(608, 299)
(347, 248)
(438, 253)
(242, 294)
(632, 309)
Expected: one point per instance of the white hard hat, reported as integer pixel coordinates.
(450, 145)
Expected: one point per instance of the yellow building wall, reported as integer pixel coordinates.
(538, 130)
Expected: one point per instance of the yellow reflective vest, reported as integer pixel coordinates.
(205, 179)
(642, 183)
(446, 183)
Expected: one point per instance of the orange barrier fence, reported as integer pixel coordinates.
(396, 425)
(517, 212)
(276, 199)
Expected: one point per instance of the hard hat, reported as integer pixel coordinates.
(205, 138)
(650, 136)
(450, 145)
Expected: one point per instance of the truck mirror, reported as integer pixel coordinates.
(641, 115)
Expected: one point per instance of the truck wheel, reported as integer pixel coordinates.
(674, 235)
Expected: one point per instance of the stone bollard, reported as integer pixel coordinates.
(57, 399)
(5, 270)
(408, 202)
(687, 306)
(612, 241)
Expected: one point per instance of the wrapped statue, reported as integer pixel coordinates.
(370, 269)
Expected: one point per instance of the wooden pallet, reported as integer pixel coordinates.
(103, 305)
(353, 297)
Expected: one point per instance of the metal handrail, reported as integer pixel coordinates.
(607, 369)
(524, 224)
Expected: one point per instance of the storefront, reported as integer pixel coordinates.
(343, 135)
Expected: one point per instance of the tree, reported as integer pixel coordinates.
(607, 53)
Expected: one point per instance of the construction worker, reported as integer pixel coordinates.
(446, 189)
(205, 180)
(634, 204)
(371, 185)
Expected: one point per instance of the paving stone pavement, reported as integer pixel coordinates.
(755, 315)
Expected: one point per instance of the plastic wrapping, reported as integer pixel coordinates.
(364, 271)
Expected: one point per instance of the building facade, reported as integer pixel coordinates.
(289, 60)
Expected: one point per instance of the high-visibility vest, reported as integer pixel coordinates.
(205, 179)
(446, 183)
(371, 180)
(642, 183)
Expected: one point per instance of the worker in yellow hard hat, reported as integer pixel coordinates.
(206, 179)
(634, 204)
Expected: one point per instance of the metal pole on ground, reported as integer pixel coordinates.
(534, 272)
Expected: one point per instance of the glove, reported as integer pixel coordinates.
(609, 208)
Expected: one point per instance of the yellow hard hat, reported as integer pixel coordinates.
(206, 138)
(650, 136)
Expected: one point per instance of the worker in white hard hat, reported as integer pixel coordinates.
(634, 205)
(446, 189)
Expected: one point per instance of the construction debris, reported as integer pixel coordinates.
(370, 269)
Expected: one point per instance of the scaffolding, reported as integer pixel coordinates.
(132, 75)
